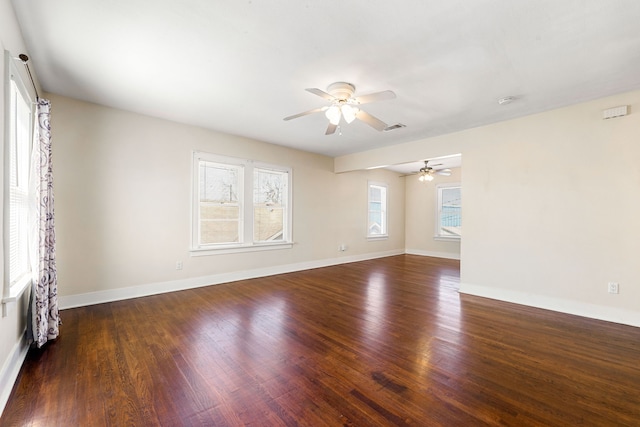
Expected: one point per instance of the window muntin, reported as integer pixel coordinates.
(449, 211)
(239, 204)
(377, 210)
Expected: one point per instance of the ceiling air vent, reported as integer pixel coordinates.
(615, 112)
(394, 127)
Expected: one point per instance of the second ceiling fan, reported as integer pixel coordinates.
(344, 105)
(426, 173)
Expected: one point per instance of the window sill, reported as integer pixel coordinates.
(447, 238)
(15, 292)
(373, 238)
(240, 249)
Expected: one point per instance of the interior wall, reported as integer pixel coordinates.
(123, 188)
(352, 190)
(551, 211)
(550, 207)
(420, 217)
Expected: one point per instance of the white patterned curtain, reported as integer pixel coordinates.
(45, 318)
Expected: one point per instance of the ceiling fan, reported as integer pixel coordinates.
(427, 172)
(345, 105)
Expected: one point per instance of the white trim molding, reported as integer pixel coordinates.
(99, 297)
(434, 254)
(593, 311)
(11, 369)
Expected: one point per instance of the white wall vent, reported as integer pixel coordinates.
(615, 112)
(394, 127)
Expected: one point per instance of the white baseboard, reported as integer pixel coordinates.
(420, 252)
(99, 297)
(11, 369)
(593, 311)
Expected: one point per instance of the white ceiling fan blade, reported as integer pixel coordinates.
(315, 110)
(331, 129)
(378, 96)
(321, 93)
(444, 172)
(374, 122)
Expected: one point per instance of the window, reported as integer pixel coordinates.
(449, 214)
(377, 210)
(19, 122)
(269, 205)
(219, 207)
(239, 205)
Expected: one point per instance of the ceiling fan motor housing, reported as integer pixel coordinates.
(341, 90)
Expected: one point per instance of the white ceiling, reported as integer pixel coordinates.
(241, 66)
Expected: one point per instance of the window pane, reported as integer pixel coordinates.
(20, 142)
(269, 205)
(377, 221)
(450, 212)
(220, 212)
(375, 193)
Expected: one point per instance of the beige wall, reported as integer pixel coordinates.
(352, 207)
(550, 207)
(420, 217)
(122, 187)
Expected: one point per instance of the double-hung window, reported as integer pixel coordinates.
(239, 205)
(270, 206)
(18, 143)
(377, 210)
(449, 212)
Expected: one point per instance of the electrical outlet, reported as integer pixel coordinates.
(613, 288)
(178, 265)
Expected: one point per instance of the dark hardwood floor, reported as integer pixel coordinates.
(381, 342)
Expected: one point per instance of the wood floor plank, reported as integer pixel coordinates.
(374, 343)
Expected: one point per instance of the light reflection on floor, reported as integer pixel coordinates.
(431, 351)
(376, 306)
(245, 332)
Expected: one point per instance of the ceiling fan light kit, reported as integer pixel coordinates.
(349, 112)
(345, 106)
(425, 177)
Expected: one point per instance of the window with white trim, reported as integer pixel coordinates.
(18, 143)
(377, 210)
(270, 197)
(449, 211)
(239, 204)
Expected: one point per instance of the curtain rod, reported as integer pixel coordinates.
(24, 58)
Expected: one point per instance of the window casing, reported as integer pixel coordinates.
(239, 205)
(377, 210)
(18, 144)
(449, 212)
